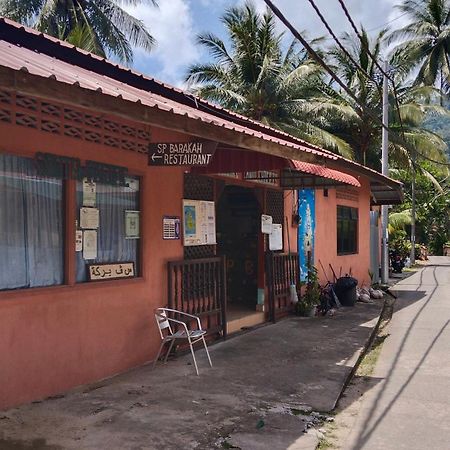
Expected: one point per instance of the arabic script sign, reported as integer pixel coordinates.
(111, 271)
(196, 153)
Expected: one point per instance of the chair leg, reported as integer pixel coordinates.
(193, 356)
(207, 352)
(169, 350)
(159, 353)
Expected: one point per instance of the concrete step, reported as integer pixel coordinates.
(247, 319)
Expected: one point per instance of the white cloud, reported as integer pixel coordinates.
(172, 26)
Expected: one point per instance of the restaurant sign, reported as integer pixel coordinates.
(110, 271)
(195, 153)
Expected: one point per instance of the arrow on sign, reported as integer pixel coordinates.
(154, 156)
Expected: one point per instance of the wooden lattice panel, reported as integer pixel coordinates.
(76, 123)
(197, 187)
(275, 205)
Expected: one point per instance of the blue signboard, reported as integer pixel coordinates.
(306, 228)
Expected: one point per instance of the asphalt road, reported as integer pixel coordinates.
(408, 406)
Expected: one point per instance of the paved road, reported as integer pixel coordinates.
(409, 408)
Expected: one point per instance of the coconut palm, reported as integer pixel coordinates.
(363, 132)
(426, 42)
(255, 77)
(103, 25)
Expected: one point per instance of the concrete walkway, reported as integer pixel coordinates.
(259, 394)
(408, 406)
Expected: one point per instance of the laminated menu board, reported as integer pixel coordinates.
(199, 222)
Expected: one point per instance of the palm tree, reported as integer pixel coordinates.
(254, 77)
(426, 42)
(102, 25)
(363, 132)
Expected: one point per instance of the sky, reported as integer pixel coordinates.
(176, 23)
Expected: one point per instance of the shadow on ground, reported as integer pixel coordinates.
(253, 398)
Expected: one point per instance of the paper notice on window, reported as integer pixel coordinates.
(276, 237)
(266, 224)
(78, 240)
(89, 192)
(90, 244)
(89, 218)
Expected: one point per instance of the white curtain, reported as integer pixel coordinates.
(31, 226)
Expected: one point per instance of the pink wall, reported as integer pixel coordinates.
(52, 339)
(326, 234)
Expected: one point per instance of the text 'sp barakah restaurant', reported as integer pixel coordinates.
(120, 194)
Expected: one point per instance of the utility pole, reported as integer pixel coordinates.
(385, 170)
(413, 208)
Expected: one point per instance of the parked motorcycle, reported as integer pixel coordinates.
(397, 262)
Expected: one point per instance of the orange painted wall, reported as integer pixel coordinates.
(52, 339)
(326, 235)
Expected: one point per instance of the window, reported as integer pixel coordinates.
(347, 230)
(31, 226)
(113, 245)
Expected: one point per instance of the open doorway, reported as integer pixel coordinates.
(238, 227)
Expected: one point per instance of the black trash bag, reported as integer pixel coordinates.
(345, 289)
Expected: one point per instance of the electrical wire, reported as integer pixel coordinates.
(343, 49)
(321, 62)
(374, 59)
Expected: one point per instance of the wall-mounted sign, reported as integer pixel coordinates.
(78, 240)
(199, 220)
(276, 237)
(132, 224)
(89, 218)
(89, 192)
(110, 271)
(266, 224)
(171, 227)
(90, 244)
(196, 153)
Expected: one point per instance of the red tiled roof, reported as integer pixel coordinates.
(325, 172)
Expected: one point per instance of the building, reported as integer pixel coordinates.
(94, 206)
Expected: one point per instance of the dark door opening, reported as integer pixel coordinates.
(238, 225)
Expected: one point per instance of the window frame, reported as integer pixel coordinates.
(348, 215)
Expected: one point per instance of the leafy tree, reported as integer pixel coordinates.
(100, 26)
(255, 77)
(426, 42)
(432, 205)
(363, 131)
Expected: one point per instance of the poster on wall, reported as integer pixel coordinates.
(306, 229)
(89, 218)
(90, 244)
(276, 237)
(171, 227)
(132, 224)
(199, 220)
(89, 192)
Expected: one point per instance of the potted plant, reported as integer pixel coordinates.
(308, 302)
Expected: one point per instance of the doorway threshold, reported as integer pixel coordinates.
(241, 317)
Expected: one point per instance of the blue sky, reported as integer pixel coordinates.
(176, 23)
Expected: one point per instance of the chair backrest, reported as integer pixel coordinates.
(162, 322)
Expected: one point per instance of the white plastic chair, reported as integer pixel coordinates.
(163, 319)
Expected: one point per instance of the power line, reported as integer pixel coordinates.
(378, 26)
(374, 59)
(338, 42)
(333, 75)
(319, 60)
